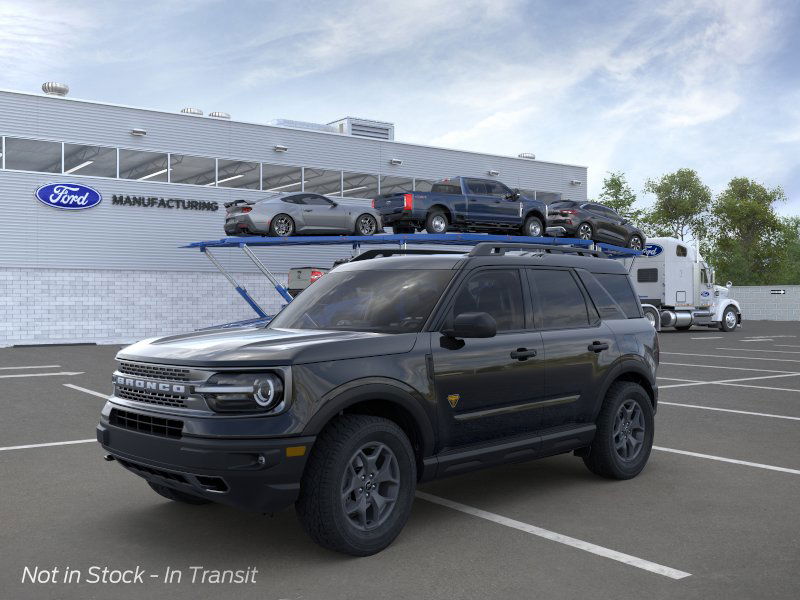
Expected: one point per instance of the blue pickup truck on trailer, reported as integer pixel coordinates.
(464, 204)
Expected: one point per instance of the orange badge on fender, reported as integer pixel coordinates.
(453, 399)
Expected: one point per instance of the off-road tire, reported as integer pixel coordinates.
(602, 458)
(319, 506)
(176, 495)
(430, 226)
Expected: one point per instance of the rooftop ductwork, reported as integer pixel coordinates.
(192, 111)
(376, 130)
(52, 88)
(527, 155)
(302, 125)
(219, 115)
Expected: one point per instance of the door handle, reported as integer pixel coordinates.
(308, 210)
(598, 346)
(523, 353)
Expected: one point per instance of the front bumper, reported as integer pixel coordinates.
(257, 474)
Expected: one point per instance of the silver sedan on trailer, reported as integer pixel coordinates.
(300, 213)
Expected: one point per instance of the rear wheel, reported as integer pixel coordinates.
(358, 487)
(281, 226)
(729, 320)
(366, 224)
(176, 495)
(436, 222)
(585, 231)
(533, 227)
(624, 435)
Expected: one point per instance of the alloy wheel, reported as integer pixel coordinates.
(366, 225)
(730, 319)
(629, 430)
(370, 486)
(635, 243)
(585, 231)
(439, 223)
(282, 226)
(534, 228)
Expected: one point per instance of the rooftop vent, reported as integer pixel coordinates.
(377, 130)
(192, 111)
(51, 88)
(219, 115)
(527, 155)
(302, 125)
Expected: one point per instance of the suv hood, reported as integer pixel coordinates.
(257, 346)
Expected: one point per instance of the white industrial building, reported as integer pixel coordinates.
(115, 272)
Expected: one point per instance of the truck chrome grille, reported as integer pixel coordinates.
(154, 371)
(150, 397)
(171, 428)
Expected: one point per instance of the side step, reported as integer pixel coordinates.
(479, 456)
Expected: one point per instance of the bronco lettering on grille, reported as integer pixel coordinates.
(155, 386)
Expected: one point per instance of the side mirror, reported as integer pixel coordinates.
(472, 325)
(729, 285)
(334, 204)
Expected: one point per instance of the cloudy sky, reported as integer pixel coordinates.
(641, 87)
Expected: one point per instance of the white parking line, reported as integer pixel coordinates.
(729, 410)
(759, 340)
(709, 337)
(760, 387)
(754, 350)
(727, 381)
(31, 367)
(788, 345)
(40, 374)
(728, 460)
(740, 357)
(557, 537)
(722, 367)
(46, 445)
(80, 389)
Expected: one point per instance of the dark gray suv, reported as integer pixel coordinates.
(389, 371)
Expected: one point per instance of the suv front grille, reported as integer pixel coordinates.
(150, 397)
(171, 428)
(154, 371)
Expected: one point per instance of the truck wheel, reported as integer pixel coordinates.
(358, 486)
(402, 229)
(177, 495)
(436, 222)
(533, 227)
(281, 226)
(729, 321)
(366, 225)
(624, 435)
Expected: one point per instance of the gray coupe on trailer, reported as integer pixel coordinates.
(300, 213)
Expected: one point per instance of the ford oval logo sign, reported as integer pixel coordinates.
(68, 196)
(652, 250)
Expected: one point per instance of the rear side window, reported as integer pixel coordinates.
(559, 299)
(608, 307)
(476, 186)
(447, 186)
(618, 286)
(647, 275)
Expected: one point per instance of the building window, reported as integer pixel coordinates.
(97, 161)
(359, 185)
(33, 155)
(423, 185)
(280, 178)
(238, 174)
(321, 181)
(396, 185)
(144, 166)
(194, 170)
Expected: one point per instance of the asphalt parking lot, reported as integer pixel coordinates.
(714, 514)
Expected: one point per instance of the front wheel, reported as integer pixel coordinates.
(366, 225)
(624, 435)
(358, 486)
(635, 243)
(729, 320)
(533, 227)
(281, 226)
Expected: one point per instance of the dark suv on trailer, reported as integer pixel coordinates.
(387, 372)
(592, 221)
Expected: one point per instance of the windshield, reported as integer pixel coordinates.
(391, 301)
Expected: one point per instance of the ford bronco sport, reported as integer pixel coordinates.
(388, 372)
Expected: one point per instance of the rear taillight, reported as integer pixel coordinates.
(408, 201)
(315, 275)
(246, 209)
(569, 212)
(373, 203)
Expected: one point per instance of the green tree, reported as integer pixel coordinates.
(681, 205)
(617, 194)
(749, 243)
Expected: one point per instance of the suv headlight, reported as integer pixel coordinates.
(243, 392)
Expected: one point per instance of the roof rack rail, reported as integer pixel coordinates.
(400, 252)
(490, 248)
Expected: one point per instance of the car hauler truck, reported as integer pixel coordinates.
(676, 288)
